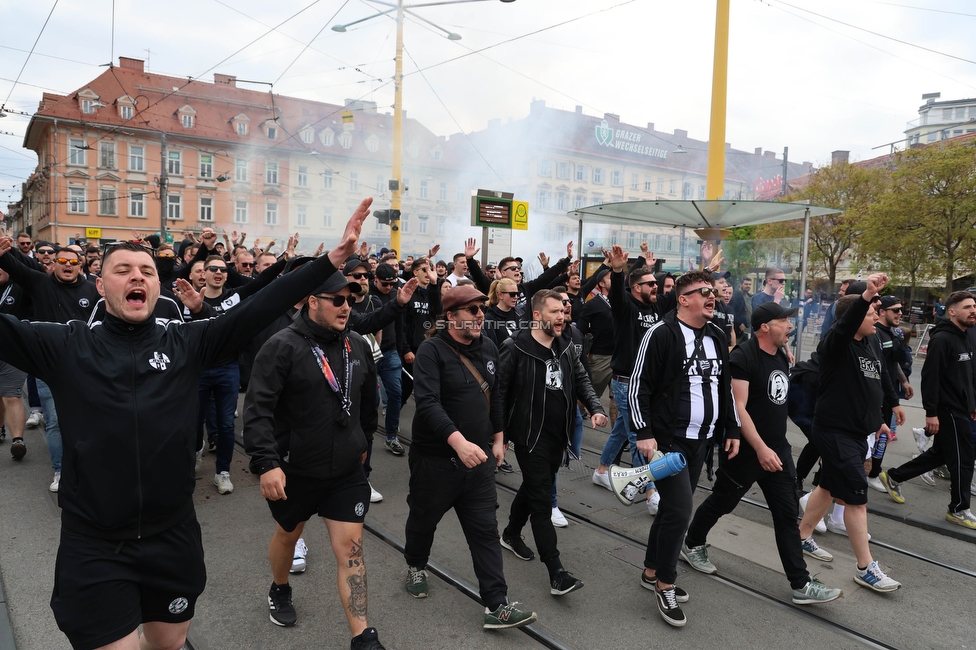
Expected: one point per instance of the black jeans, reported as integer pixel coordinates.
(439, 484)
(952, 446)
(533, 502)
(674, 512)
(735, 478)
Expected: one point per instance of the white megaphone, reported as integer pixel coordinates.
(627, 483)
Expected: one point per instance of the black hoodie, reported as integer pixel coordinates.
(947, 375)
(54, 301)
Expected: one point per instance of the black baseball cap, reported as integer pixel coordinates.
(354, 263)
(887, 302)
(386, 272)
(770, 311)
(336, 283)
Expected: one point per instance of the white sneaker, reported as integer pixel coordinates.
(56, 483)
(876, 484)
(603, 480)
(222, 481)
(838, 527)
(558, 518)
(874, 578)
(199, 462)
(972, 487)
(929, 479)
(34, 419)
(821, 527)
(653, 502)
(923, 441)
(374, 496)
(298, 564)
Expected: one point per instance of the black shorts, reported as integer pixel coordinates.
(103, 589)
(340, 499)
(842, 472)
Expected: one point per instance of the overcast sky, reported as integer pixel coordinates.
(796, 79)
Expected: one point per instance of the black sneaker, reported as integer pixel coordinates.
(667, 604)
(17, 448)
(506, 467)
(279, 602)
(368, 640)
(651, 584)
(212, 445)
(517, 545)
(565, 582)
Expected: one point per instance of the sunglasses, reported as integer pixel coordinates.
(338, 301)
(213, 268)
(704, 291)
(896, 310)
(637, 284)
(24, 244)
(471, 309)
(566, 302)
(387, 284)
(512, 268)
(45, 251)
(358, 275)
(62, 261)
(510, 294)
(246, 265)
(781, 280)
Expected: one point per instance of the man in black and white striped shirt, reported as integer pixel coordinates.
(680, 399)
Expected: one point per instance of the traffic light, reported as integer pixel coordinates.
(386, 216)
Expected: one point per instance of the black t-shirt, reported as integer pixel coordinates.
(724, 318)
(769, 384)
(554, 425)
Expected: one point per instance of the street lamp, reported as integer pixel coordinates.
(400, 9)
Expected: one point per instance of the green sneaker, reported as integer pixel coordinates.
(815, 592)
(697, 557)
(417, 582)
(506, 616)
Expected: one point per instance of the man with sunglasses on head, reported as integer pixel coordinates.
(680, 401)
(458, 441)
(131, 551)
(59, 297)
(313, 373)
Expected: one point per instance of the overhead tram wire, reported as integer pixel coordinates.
(938, 11)
(309, 44)
(29, 54)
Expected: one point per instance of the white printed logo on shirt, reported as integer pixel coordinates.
(554, 375)
(778, 387)
(159, 361)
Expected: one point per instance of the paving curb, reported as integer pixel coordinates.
(6, 628)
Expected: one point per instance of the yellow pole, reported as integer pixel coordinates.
(397, 131)
(715, 183)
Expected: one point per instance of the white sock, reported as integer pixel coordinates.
(838, 514)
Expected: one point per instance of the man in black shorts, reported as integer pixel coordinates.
(307, 416)
(853, 385)
(760, 385)
(131, 551)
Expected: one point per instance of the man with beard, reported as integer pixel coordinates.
(681, 401)
(949, 402)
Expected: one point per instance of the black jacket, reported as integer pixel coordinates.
(522, 387)
(291, 414)
(129, 425)
(597, 320)
(53, 300)
(420, 314)
(449, 398)
(632, 319)
(653, 394)
(499, 325)
(394, 337)
(14, 301)
(947, 375)
(891, 353)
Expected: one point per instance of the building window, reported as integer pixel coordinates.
(616, 178)
(173, 160)
(701, 191)
(303, 177)
(106, 155)
(423, 189)
(345, 141)
(206, 165)
(581, 172)
(422, 224)
(579, 201)
(660, 186)
(441, 225)
(648, 184)
(174, 206)
(308, 136)
(240, 170)
(598, 175)
(562, 201)
(404, 224)
(106, 202)
(88, 106)
(271, 173)
(634, 181)
(380, 183)
(672, 187)
(125, 112)
(272, 133)
(327, 138)
(137, 204)
(206, 208)
(302, 219)
(271, 214)
(545, 199)
(437, 154)
(242, 128)
(137, 158)
(373, 144)
(187, 121)
(76, 152)
(76, 200)
(562, 171)
(353, 181)
(327, 179)
(544, 167)
(240, 211)
(631, 240)
(931, 137)
(327, 217)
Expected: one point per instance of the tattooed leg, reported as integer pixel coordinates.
(347, 544)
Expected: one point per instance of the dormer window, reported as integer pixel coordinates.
(327, 137)
(436, 154)
(345, 141)
(308, 136)
(373, 144)
(87, 106)
(242, 128)
(187, 121)
(125, 112)
(272, 132)
(187, 116)
(88, 101)
(240, 124)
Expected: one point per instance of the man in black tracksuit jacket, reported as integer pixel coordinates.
(538, 387)
(419, 316)
(126, 498)
(949, 402)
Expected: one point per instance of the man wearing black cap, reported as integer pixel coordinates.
(760, 384)
(393, 343)
(457, 427)
(597, 320)
(316, 371)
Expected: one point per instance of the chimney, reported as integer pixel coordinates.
(579, 110)
(839, 156)
(680, 133)
(226, 79)
(758, 151)
(537, 105)
(650, 126)
(132, 64)
(770, 155)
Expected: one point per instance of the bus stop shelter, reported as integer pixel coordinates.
(709, 219)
